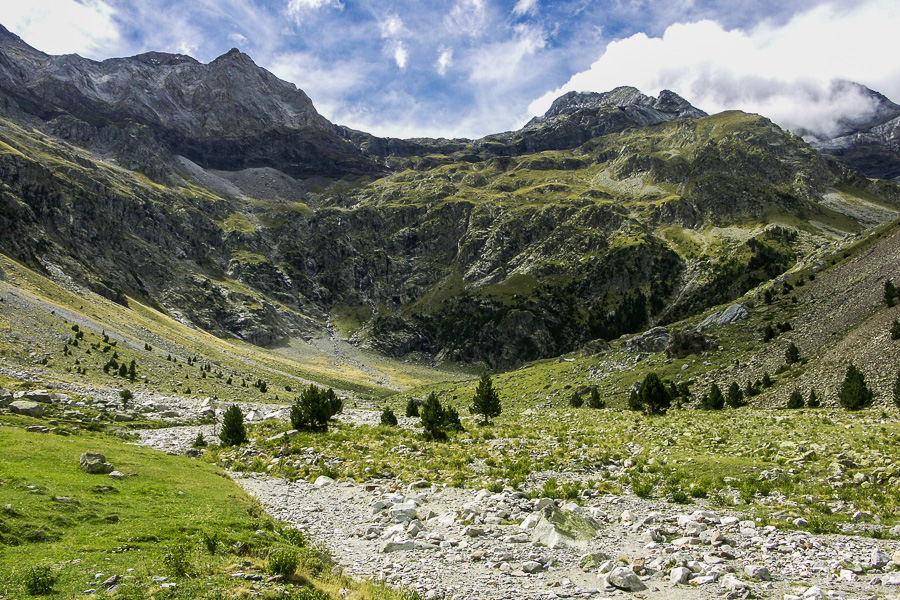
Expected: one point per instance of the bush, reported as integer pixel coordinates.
(735, 397)
(210, 540)
(388, 418)
(412, 409)
(813, 400)
(451, 420)
(177, 559)
(294, 537)
(641, 486)
(575, 400)
(634, 401)
(314, 408)
(890, 292)
(486, 401)
(282, 561)
(895, 330)
(653, 395)
(792, 354)
(897, 390)
(796, 399)
(595, 401)
(38, 581)
(854, 393)
(769, 333)
(767, 380)
(233, 431)
(715, 400)
(199, 441)
(433, 418)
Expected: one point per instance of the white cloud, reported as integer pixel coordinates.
(64, 26)
(391, 26)
(784, 71)
(401, 55)
(237, 38)
(502, 60)
(444, 61)
(525, 7)
(467, 17)
(297, 8)
(327, 84)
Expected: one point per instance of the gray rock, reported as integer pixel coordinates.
(653, 340)
(397, 546)
(94, 463)
(625, 579)
(564, 529)
(27, 408)
(878, 559)
(757, 572)
(42, 396)
(532, 566)
(322, 481)
(729, 316)
(680, 575)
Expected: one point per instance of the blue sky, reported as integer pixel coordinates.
(466, 68)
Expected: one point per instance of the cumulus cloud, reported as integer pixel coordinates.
(296, 9)
(65, 26)
(502, 60)
(467, 17)
(401, 55)
(786, 72)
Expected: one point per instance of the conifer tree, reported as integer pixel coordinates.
(653, 395)
(735, 397)
(594, 400)
(433, 418)
(233, 431)
(897, 390)
(813, 400)
(792, 354)
(715, 400)
(486, 401)
(412, 409)
(854, 393)
(575, 400)
(795, 400)
(890, 292)
(388, 418)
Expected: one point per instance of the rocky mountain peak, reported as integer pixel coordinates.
(622, 97)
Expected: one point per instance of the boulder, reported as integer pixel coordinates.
(27, 408)
(685, 342)
(559, 528)
(92, 462)
(729, 316)
(42, 396)
(625, 579)
(653, 340)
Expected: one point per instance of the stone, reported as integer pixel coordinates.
(729, 316)
(652, 340)
(563, 529)
(757, 572)
(94, 463)
(322, 481)
(531, 521)
(472, 531)
(27, 408)
(397, 546)
(625, 579)
(405, 511)
(117, 475)
(42, 396)
(680, 575)
(532, 566)
(878, 559)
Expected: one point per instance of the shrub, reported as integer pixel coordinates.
(451, 420)
(199, 441)
(233, 431)
(314, 408)
(433, 418)
(792, 354)
(634, 401)
(769, 333)
(641, 486)
(767, 380)
(653, 395)
(897, 390)
(796, 399)
(486, 401)
(38, 581)
(854, 393)
(125, 396)
(294, 537)
(890, 292)
(412, 409)
(735, 397)
(388, 418)
(575, 400)
(813, 400)
(282, 561)
(895, 330)
(594, 400)
(715, 400)
(177, 559)
(210, 540)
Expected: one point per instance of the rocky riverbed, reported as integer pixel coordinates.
(448, 542)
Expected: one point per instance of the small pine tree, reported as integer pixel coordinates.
(594, 400)
(412, 409)
(634, 401)
(813, 400)
(735, 397)
(890, 292)
(767, 297)
(314, 408)
(769, 333)
(433, 418)
(125, 396)
(123, 370)
(486, 401)
(715, 400)
(575, 400)
(451, 420)
(653, 395)
(132, 370)
(897, 390)
(199, 441)
(388, 418)
(233, 431)
(792, 354)
(854, 393)
(767, 380)
(795, 400)
(895, 330)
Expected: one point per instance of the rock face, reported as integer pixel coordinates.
(229, 114)
(27, 408)
(653, 340)
(95, 463)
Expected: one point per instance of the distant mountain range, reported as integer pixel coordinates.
(216, 192)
